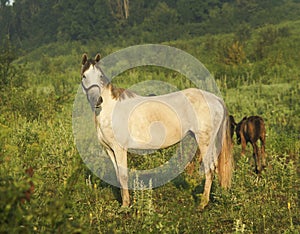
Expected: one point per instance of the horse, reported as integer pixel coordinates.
(156, 122)
(250, 129)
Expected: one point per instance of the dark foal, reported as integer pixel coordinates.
(250, 129)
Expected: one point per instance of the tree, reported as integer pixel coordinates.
(234, 54)
(119, 8)
(10, 74)
(161, 21)
(6, 18)
(3, 3)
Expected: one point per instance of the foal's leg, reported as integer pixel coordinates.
(243, 143)
(263, 153)
(121, 160)
(257, 158)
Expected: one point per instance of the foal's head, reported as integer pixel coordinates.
(232, 125)
(238, 130)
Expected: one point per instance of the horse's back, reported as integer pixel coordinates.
(205, 103)
(255, 128)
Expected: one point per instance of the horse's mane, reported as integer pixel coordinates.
(120, 93)
(87, 64)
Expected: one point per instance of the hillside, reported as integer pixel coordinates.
(28, 24)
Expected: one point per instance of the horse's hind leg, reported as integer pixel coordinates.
(203, 144)
(207, 187)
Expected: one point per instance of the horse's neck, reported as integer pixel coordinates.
(108, 100)
(104, 80)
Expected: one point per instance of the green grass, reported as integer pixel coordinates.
(69, 198)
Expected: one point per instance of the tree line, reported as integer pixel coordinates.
(31, 23)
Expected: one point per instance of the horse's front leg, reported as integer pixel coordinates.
(121, 160)
(111, 154)
(205, 196)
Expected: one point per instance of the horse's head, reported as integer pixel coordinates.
(238, 130)
(92, 79)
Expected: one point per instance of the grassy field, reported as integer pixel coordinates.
(36, 132)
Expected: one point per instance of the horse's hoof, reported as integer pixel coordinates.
(203, 204)
(126, 204)
(124, 209)
(200, 208)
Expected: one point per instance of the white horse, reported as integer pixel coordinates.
(125, 120)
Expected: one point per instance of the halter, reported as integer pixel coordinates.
(92, 86)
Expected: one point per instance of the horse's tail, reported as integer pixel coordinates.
(225, 160)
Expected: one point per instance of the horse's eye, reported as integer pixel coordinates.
(83, 77)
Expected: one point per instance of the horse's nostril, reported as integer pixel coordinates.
(99, 102)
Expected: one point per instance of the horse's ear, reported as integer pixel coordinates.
(97, 57)
(84, 58)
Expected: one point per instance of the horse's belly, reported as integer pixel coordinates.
(156, 135)
(150, 125)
